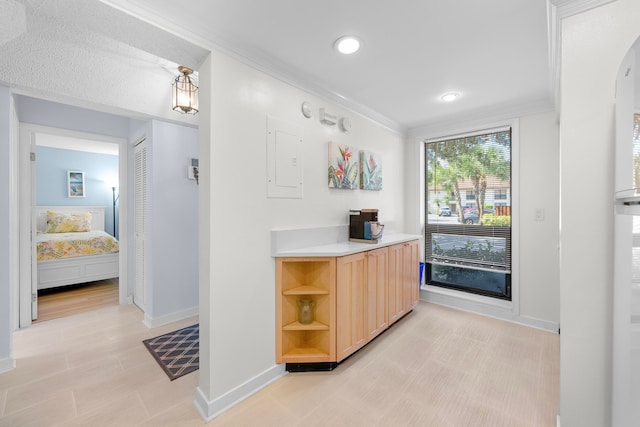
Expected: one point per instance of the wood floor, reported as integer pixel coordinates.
(436, 367)
(74, 299)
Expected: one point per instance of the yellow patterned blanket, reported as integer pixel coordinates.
(69, 245)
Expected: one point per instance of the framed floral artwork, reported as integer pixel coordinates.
(370, 171)
(343, 167)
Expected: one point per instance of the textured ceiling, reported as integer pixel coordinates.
(88, 54)
(13, 20)
(90, 24)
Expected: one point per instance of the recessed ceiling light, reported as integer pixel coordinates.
(347, 44)
(450, 96)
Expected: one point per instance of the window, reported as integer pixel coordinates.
(500, 194)
(471, 249)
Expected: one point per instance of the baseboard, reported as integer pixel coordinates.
(480, 305)
(7, 364)
(538, 323)
(210, 409)
(154, 322)
(471, 302)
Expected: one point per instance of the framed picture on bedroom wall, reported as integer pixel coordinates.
(75, 183)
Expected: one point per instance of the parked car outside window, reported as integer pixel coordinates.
(471, 215)
(445, 211)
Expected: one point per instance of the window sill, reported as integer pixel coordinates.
(468, 301)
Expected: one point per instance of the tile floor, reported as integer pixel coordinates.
(436, 367)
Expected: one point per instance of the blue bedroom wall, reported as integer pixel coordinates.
(52, 165)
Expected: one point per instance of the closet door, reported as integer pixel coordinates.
(141, 215)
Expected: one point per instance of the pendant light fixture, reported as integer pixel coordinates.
(185, 92)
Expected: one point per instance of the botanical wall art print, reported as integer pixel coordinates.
(370, 171)
(343, 166)
(75, 183)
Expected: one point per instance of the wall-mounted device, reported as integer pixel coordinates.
(193, 170)
(306, 110)
(345, 124)
(326, 118)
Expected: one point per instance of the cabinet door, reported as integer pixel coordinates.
(376, 280)
(395, 301)
(411, 268)
(351, 302)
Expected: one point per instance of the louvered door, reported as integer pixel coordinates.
(141, 210)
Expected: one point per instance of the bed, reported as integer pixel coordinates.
(72, 246)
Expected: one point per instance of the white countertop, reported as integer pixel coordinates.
(347, 247)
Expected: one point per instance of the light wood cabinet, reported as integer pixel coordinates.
(305, 278)
(411, 270)
(351, 304)
(376, 279)
(395, 298)
(403, 289)
(356, 298)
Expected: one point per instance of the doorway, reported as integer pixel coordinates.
(36, 139)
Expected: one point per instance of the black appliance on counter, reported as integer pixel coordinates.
(357, 220)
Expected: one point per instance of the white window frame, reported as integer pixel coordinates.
(467, 301)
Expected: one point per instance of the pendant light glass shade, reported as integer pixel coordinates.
(185, 92)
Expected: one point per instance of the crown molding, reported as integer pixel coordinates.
(203, 37)
(557, 10)
(568, 8)
(260, 61)
(478, 119)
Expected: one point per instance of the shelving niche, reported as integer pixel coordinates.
(312, 278)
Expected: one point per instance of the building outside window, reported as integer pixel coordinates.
(470, 195)
(500, 194)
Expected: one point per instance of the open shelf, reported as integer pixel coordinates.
(299, 278)
(301, 354)
(306, 290)
(314, 326)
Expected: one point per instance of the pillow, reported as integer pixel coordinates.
(63, 223)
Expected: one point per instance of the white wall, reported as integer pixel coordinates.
(5, 230)
(239, 336)
(593, 46)
(539, 240)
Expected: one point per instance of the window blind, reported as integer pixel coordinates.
(470, 176)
